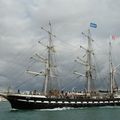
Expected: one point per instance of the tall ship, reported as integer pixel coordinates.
(52, 97)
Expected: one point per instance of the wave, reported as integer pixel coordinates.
(110, 107)
(58, 109)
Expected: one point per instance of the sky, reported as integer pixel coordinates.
(20, 31)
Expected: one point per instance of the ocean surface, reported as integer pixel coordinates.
(100, 113)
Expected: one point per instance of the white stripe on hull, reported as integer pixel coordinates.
(90, 102)
(78, 102)
(60, 102)
(67, 102)
(85, 102)
(45, 101)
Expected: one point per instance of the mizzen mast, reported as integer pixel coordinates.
(112, 71)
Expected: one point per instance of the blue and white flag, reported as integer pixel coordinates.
(93, 25)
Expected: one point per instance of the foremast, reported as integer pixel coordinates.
(49, 72)
(88, 64)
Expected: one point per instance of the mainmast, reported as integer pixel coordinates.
(89, 66)
(88, 63)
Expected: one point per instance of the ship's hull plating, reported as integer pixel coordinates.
(33, 102)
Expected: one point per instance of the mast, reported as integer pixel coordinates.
(49, 63)
(89, 66)
(110, 69)
(112, 72)
(49, 72)
(88, 63)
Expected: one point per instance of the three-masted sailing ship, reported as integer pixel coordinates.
(54, 98)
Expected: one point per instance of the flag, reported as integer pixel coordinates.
(114, 37)
(93, 25)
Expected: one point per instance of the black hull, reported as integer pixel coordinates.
(28, 102)
(27, 105)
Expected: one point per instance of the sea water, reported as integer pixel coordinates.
(94, 113)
